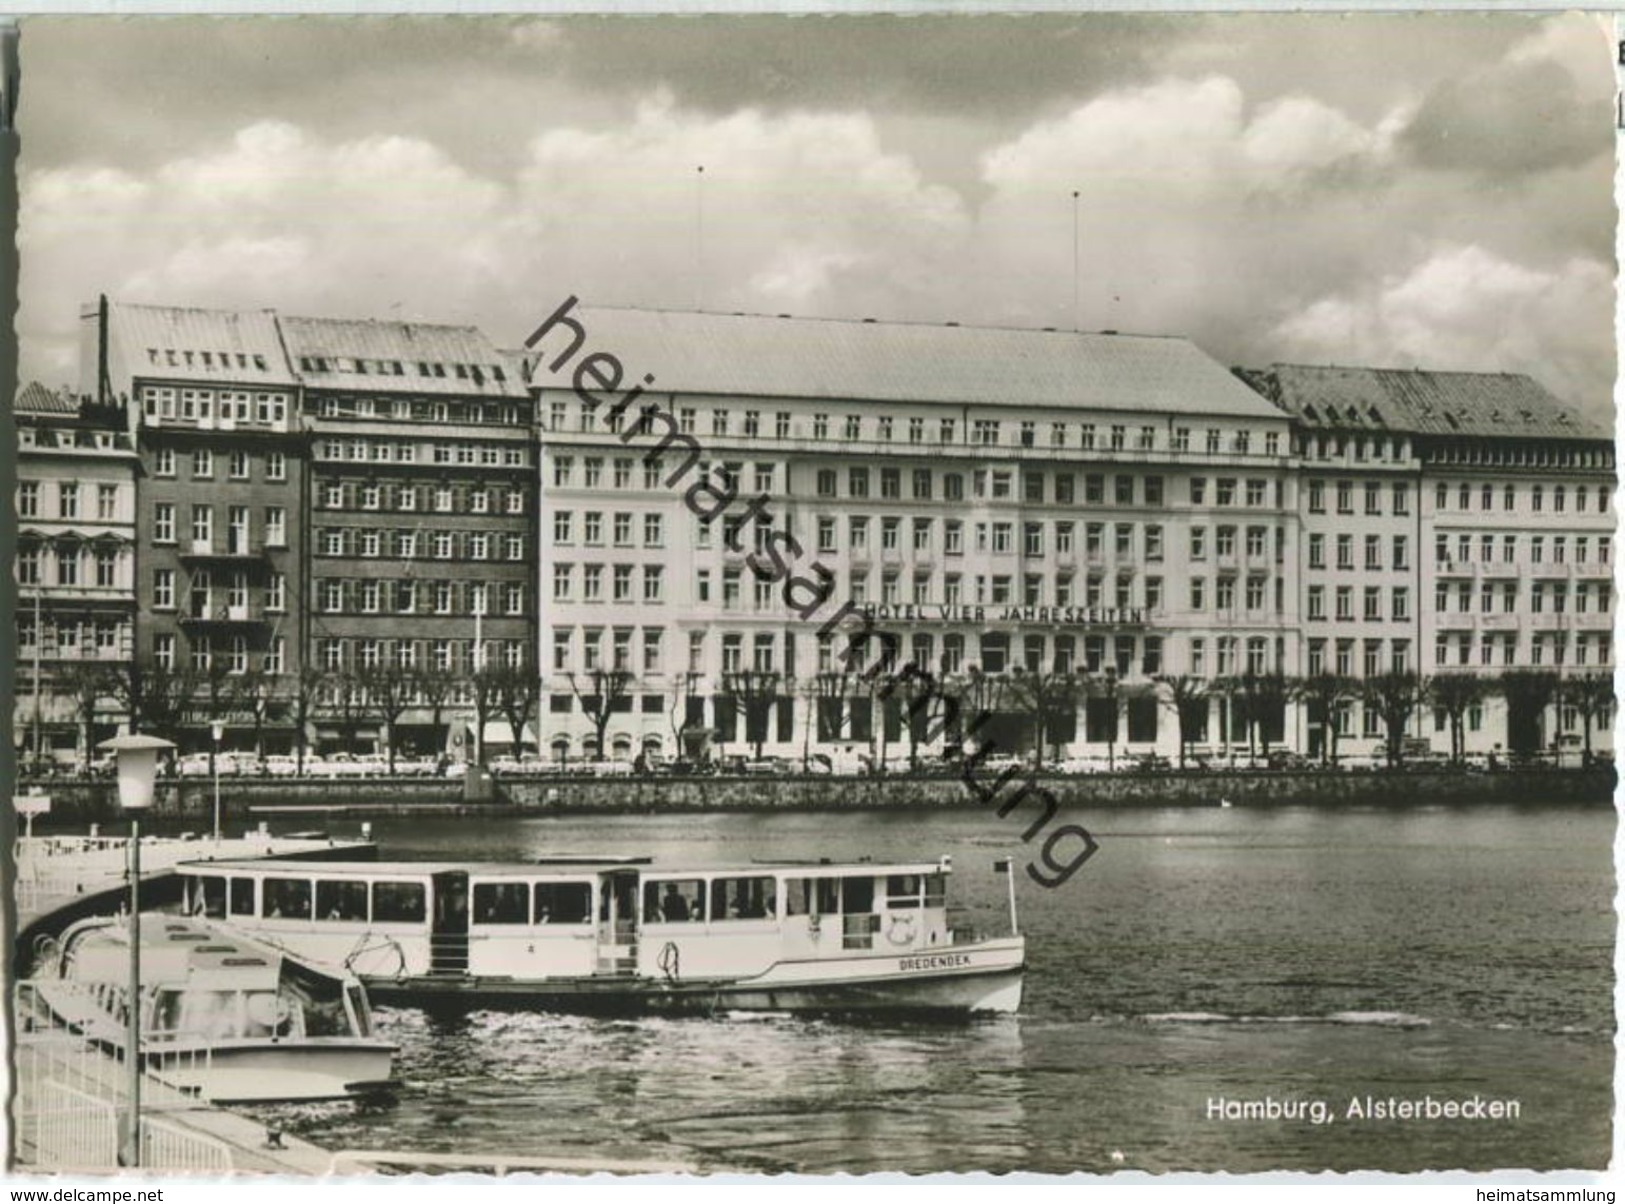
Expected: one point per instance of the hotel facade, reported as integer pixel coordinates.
(1075, 529)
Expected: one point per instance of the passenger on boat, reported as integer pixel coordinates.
(673, 907)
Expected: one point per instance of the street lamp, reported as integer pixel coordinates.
(137, 760)
(216, 730)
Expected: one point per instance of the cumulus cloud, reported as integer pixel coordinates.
(1465, 308)
(802, 208)
(1544, 104)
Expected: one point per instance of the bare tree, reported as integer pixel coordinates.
(1107, 690)
(1051, 700)
(254, 691)
(598, 691)
(1263, 699)
(1325, 695)
(306, 690)
(348, 704)
(484, 689)
(1591, 695)
(685, 728)
(755, 691)
(1395, 697)
(923, 704)
(389, 689)
(155, 697)
(1528, 692)
(435, 687)
(1187, 698)
(519, 689)
(1455, 694)
(85, 684)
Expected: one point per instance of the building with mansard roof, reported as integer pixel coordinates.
(1456, 522)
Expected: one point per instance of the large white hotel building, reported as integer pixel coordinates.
(999, 498)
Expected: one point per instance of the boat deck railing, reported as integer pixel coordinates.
(71, 1093)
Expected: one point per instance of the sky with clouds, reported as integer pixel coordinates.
(1422, 190)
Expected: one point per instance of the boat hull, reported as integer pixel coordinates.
(290, 1072)
(967, 980)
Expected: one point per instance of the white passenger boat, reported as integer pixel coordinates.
(223, 1016)
(621, 934)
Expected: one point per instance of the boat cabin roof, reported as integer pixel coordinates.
(174, 952)
(565, 867)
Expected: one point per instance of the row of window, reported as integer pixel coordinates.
(623, 470)
(1398, 608)
(68, 635)
(1501, 648)
(1362, 448)
(1587, 595)
(1464, 496)
(1377, 657)
(1399, 547)
(373, 596)
(441, 499)
(621, 528)
(70, 565)
(208, 592)
(1036, 487)
(622, 586)
(239, 464)
(274, 526)
(1460, 552)
(335, 654)
(982, 432)
(385, 451)
(202, 404)
(1399, 497)
(71, 500)
(230, 652)
(1031, 589)
(371, 542)
(428, 369)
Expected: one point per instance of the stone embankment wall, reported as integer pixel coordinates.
(247, 801)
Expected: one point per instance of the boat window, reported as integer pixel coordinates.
(902, 891)
(270, 1014)
(858, 931)
(192, 1014)
(743, 899)
(563, 902)
(936, 890)
(818, 896)
(673, 901)
(242, 896)
(501, 903)
(858, 896)
(399, 902)
(341, 900)
(287, 898)
(209, 898)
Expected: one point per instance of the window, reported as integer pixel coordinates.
(592, 583)
(1373, 552)
(1317, 551)
(164, 462)
(1345, 603)
(1400, 607)
(1198, 492)
(826, 482)
(202, 464)
(28, 499)
(562, 574)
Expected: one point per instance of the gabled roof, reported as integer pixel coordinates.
(895, 362)
(416, 357)
(35, 398)
(1416, 402)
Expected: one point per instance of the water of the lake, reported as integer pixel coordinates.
(1243, 954)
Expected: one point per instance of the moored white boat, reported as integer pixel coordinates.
(622, 934)
(222, 1015)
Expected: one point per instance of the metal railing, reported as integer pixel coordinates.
(70, 1092)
